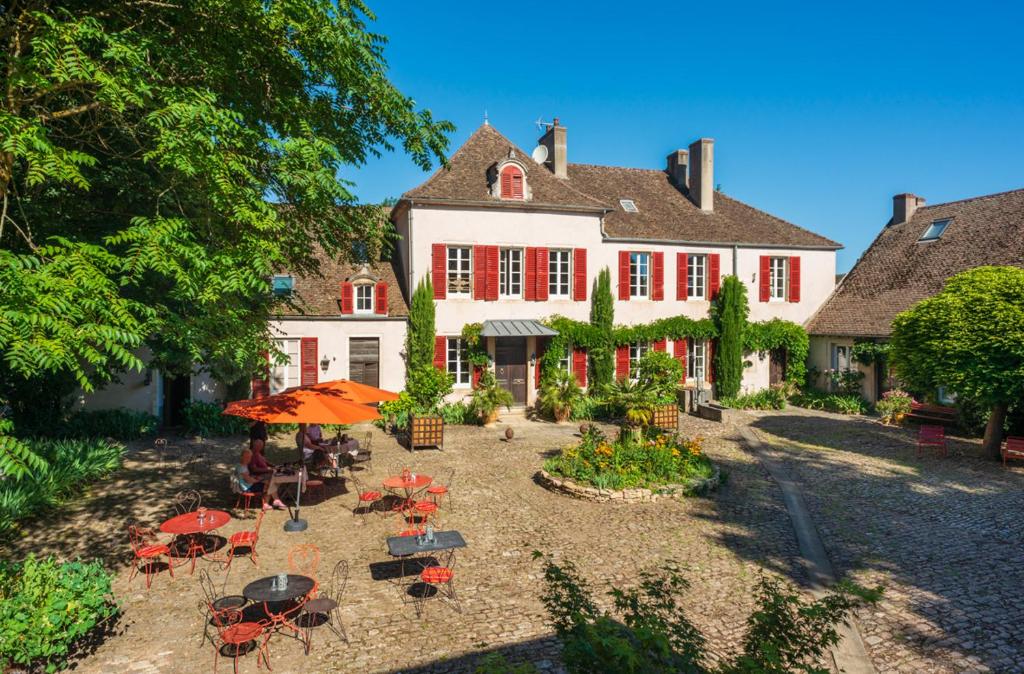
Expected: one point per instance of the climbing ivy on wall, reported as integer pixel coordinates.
(764, 336)
(476, 347)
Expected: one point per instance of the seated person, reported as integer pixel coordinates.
(256, 484)
(310, 442)
(259, 464)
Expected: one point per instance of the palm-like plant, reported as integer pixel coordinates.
(559, 394)
(488, 397)
(638, 400)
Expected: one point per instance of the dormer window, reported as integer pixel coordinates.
(364, 298)
(512, 182)
(935, 230)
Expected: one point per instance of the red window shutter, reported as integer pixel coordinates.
(517, 185)
(623, 274)
(347, 303)
(493, 267)
(380, 298)
(682, 275)
(479, 273)
(308, 358)
(542, 274)
(506, 184)
(661, 345)
(579, 275)
(439, 270)
(709, 367)
(511, 183)
(658, 276)
(764, 279)
(579, 365)
(477, 371)
(794, 279)
(679, 353)
(542, 346)
(622, 361)
(714, 275)
(261, 384)
(530, 290)
(441, 353)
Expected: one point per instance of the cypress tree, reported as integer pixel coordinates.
(730, 316)
(419, 341)
(602, 316)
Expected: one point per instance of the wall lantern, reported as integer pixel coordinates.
(533, 359)
(325, 363)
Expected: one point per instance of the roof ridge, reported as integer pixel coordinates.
(617, 168)
(976, 198)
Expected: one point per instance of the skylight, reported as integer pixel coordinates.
(934, 230)
(628, 206)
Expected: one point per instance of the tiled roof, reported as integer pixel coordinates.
(898, 270)
(319, 296)
(664, 212)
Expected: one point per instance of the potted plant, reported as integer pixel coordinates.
(488, 397)
(559, 394)
(638, 401)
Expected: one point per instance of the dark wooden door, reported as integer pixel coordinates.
(364, 360)
(510, 367)
(777, 367)
(177, 392)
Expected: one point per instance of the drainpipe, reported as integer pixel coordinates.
(735, 257)
(408, 247)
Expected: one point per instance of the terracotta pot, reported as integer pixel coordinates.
(491, 418)
(509, 433)
(562, 414)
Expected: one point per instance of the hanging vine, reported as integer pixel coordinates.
(476, 348)
(764, 336)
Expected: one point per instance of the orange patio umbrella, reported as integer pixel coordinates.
(303, 406)
(350, 390)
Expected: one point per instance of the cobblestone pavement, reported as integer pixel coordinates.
(723, 540)
(943, 535)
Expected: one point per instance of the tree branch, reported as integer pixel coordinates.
(69, 112)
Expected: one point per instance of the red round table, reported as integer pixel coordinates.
(188, 526)
(408, 484)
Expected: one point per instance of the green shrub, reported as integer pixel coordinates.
(71, 465)
(206, 419)
(496, 663)
(892, 404)
(654, 459)
(428, 386)
(119, 424)
(487, 397)
(399, 409)
(457, 413)
(559, 394)
(765, 399)
(660, 373)
(47, 606)
(830, 402)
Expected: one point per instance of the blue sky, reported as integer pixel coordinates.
(820, 111)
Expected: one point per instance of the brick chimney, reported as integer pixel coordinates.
(904, 206)
(676, 167)
(702, 174)
(554, 140)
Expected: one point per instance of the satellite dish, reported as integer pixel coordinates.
(540, 154)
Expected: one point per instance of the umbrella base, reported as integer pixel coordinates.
(295, 525)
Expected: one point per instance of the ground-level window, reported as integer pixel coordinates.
(458, 365)
(777, 278)
(639, 274)
(459, 270)
(558, 273)
(285, 375)
(364, 299)
(697, 276)
(636, 352)
(511, 272)
(840, 357)
(696, 362)
(565, 361)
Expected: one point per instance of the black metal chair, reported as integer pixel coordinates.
(327, 605)
(215, 606)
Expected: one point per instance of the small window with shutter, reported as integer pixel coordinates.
(512, 182)
(364, 298)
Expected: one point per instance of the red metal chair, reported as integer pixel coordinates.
(303, 560)
(247, 496)
(232, 633)
(439, 580)
(214, 604)
(148, 550)
(367, 497)
(245, 539)
(439, 490)
(426, 511)
(931, 436)
(314, 485)
(1013, 448)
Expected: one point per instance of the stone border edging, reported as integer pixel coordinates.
(566, 486)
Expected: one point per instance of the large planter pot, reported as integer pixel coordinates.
(426, 430)
(562, 414)
(491, 418)
(634, 433)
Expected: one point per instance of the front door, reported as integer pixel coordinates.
(510, 366)
(777, 366)
(364, 360)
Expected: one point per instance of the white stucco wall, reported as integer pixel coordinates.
(332, 340)
(820, 357)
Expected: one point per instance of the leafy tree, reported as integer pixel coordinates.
(661, 373)
(602, 317)
(970, 339)
(419, 340)
(730, 316)
(160, 160)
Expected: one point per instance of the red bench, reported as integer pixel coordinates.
(932, 414)
(931, 436)
(1013, 448)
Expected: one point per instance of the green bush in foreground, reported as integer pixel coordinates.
(766, 399)
(47, 606)
(830, 402)
(206, 419)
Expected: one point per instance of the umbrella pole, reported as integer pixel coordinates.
(296, 524)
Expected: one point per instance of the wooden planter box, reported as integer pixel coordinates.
(666, 417)
(426, 431)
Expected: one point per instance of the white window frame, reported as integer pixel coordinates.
(639, 275)
(836, 361)
(565, 362)
(458, 264)
(286, 375)
(363, 294)
(510, 275)
(778, 278)
(636, 352)
(559, 273)
(696, 280)
(628, 205)
(457, 363)
(942, 224)
(696, 360)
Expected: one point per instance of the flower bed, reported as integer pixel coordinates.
(655, 463)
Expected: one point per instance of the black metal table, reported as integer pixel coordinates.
(403, 546)
(262, 590)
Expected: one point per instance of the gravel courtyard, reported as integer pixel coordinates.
(943, 536)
